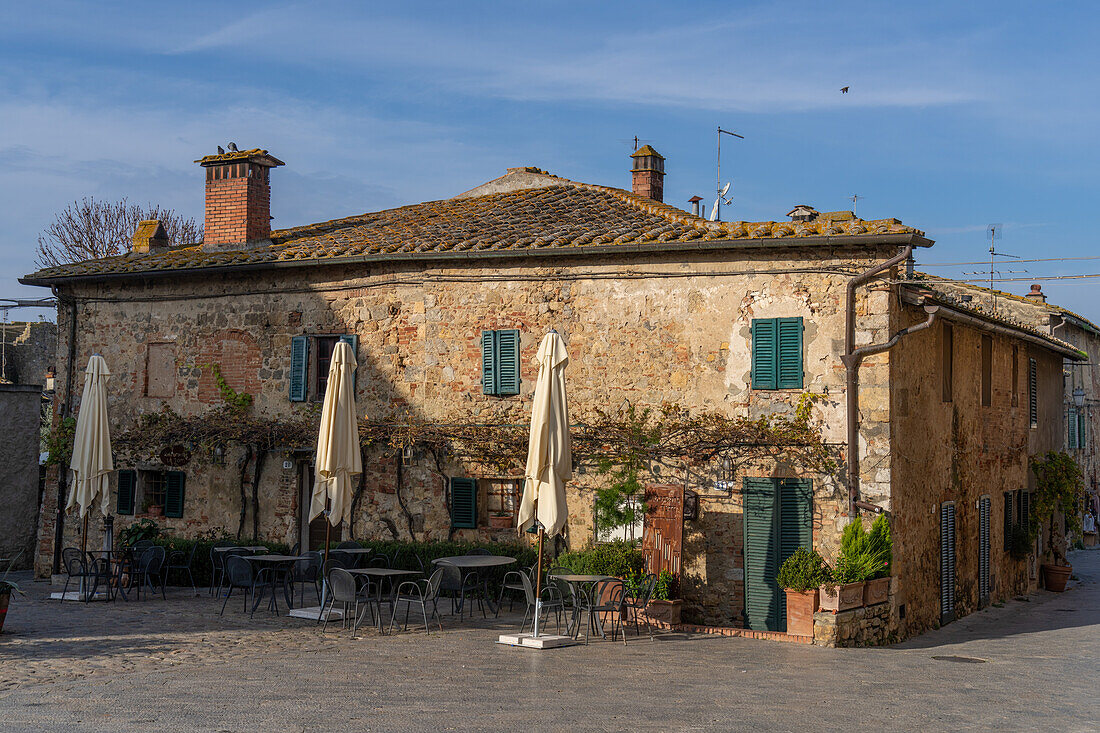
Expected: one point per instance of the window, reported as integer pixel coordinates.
(987, 371)
(947, 359)
(1033, 392)
(153, 486)
(777, 353)
(463, 503)
(160, 370)
(140, 490)
(1017, 515)
(310, 359)
(500, 362)
(500, 497)
(1015, 376)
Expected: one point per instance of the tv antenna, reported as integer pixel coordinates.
(994, 232)
(854, 198)
(716, 211)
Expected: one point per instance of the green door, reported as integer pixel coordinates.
(778, 519)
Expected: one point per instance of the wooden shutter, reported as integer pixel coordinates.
(983, 550)
(789, 353)
(764, 341)
(1082, 429)
(352, 340)
(761, 553)
(1023, 516)
(507, 364)
(1071, 424)
(488, 362)
(795, 528)
(947, 562)
(1033, 392)
(173, 493)
(1008, 521)
(299, 367)
(127, 481)
(463, 503)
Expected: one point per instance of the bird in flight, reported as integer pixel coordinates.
(844, 90)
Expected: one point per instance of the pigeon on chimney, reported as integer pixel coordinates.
(844, 90)
(233, 147)
(221, 150)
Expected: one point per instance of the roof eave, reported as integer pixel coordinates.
(846, 240)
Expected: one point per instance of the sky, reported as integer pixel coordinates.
(959, 115)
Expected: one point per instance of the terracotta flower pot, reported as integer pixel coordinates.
(665, 611)
(5, 596)
(841, 597)
(801, 605)
(500, 522)
(156, 511)
(1055, 577)
(876, 591)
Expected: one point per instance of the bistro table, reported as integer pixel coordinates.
(582, 588)
(272, 565)
(254, 549)
(468, 563)
(381, 574)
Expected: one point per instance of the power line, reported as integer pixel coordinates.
(1047, 259)
(1029, 279)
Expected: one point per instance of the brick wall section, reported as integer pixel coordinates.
(238, 205)
(649, 184)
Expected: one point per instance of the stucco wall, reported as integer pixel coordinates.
(21, 418)
(653, 331)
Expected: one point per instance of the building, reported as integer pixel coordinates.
(445, 302)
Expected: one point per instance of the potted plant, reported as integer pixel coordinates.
(500, 520)
(7, 587)
(154, 510)
(1058, 490)
(800, 576)
(665, 606)
(860, 560)
(879, 545)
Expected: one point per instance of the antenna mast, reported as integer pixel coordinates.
(854, 198)
(718, 172)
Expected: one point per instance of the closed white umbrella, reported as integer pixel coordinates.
(91, 463)
(549, 451)
(338, 458)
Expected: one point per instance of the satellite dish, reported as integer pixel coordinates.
(726, 189)
(720, 200)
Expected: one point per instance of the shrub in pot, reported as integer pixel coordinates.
(861, 559)
(1059, 489)
(665, 606)
(800, 576)
(7, 587)
(880, 547)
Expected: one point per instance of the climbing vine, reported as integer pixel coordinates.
(1059, 488)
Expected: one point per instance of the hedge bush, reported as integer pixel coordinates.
(619, 559)
(201, 568)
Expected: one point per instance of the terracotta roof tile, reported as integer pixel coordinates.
(564, 216)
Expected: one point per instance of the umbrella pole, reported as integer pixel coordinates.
(84, 552)
(538, 582)
(324, 579)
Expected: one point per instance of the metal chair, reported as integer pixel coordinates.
(553, 601)
(422, 592)
(307, 570)
(460, 587)
(480, 551)
(348, 545)
(607, 598)
(379, 560)
(147, 571)
(342, 589)
(512, 584)
(180, 560)
(77, 565)
(239, 573)
(217, 563)
(636, 603)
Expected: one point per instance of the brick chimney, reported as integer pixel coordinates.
(1036, 294)
(150, 237)
(238, 196)
(649, 173)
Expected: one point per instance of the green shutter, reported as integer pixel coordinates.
(463, 503)
(1024, 515)
(1082, 430)
(764, 340)
(352, 340)
(789, 353)
(1008, 521)
(173, 493)
(1071, 419)
(761, 552)
(507, 365)
(488, 362)
(126, 483)
(299, 365)
(1033, 392)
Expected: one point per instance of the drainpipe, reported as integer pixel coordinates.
(66, 411)
(851, 360)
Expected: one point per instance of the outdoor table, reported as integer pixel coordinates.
(254, 549)
(467, 563)
(578, 581)
(273, 564)
(112, 573)
(381, 573)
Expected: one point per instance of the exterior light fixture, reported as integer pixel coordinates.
(407, 455)
(1079, 396)
(724, 479)
(691, 506)
(219, 455)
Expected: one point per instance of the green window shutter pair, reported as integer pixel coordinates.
(777, 353)
(173, 493)
(299, 368)
(500, 362)
(127, 487)
(778, 519)
(463, 503)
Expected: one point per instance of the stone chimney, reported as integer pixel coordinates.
(150, 237)
(803, 212)
(238, 196)
(1036, 294)
(649, 173)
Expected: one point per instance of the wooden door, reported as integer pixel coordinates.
(663, 532)
(313, 533)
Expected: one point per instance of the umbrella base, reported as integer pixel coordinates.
(542, 641)
(75, 595)
(314, 613)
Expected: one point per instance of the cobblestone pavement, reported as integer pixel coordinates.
(177, 665)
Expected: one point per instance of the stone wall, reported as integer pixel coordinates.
(21, 418)
(30, 349)
(652, 331)
(864, 626)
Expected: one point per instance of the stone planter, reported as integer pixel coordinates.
(837, 598)
(1055, 577)
(665, 611)
(155, 510)
(800, 611)
(500, 522)
(876, 591)
(5, 596)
